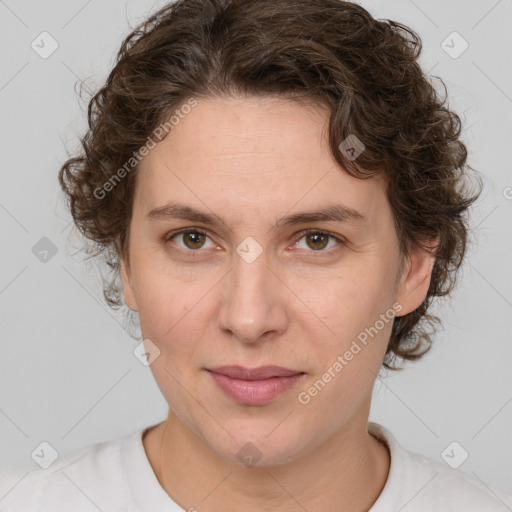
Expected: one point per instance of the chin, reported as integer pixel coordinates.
(252, 446)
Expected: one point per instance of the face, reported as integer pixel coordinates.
(246, 284)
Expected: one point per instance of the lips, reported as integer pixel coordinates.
(257, 386)
(261, 373)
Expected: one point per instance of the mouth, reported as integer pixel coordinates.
(256, 386)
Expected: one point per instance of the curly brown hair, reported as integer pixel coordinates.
(327, 52)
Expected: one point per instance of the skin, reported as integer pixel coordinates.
(299, 306)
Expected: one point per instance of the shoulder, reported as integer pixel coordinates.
(82, 480)
(447, 489)
(417, 483)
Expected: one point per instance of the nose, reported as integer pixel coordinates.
(253, 306)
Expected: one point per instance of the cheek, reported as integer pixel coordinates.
(348, 361)
(346, 303)
(350, 341)
(166, 292)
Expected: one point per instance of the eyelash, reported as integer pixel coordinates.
(299, 236)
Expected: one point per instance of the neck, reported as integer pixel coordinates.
(351, 469)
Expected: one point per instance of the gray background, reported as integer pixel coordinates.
(67, 371)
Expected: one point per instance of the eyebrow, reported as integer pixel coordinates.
(335, 213)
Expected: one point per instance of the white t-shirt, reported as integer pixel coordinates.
(116, 476)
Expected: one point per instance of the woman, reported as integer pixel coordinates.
(277, 186)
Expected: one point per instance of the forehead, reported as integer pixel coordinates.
(256, 156)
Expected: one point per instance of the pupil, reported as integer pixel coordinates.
(316, 238)
(198, 239)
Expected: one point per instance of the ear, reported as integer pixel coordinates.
(416, 275)
(129, 294)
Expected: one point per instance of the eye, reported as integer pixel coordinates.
(192, 239)
(318, 240)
